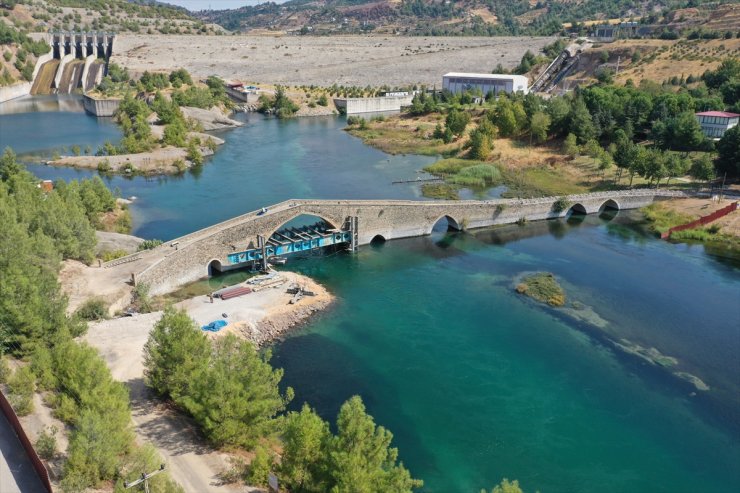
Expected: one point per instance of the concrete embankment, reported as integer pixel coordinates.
(353, 106)
(101, 107)
(15, 91)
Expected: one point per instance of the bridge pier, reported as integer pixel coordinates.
(252, 239)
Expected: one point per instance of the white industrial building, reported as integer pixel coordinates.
(458, 82)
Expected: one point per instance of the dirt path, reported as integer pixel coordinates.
(120, 341)
(697, 207)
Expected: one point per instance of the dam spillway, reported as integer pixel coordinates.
(77, 62)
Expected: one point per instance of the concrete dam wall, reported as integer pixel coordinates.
(78, 62)
(352, 106)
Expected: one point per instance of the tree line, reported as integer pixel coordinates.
(646, 130)
(39, 230)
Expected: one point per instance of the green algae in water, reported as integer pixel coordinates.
(543, 287)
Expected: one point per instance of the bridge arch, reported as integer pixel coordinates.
(377, 240)
(609, 204)
(576, 208)
(444, 220)
(299, 213)
(214, 266)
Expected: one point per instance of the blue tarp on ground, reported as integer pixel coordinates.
(215, 326)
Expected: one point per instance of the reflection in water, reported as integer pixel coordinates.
(40, 104)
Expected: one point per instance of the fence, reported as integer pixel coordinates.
(41, 471)
(702, 220)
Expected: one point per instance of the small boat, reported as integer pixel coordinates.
(278, 260)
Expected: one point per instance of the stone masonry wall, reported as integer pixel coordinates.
(186, 259)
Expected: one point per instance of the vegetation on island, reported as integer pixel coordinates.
(168, 94)
(233, 394)
(543, 287)
(40, 229)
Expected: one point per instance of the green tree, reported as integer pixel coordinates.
(456, 121)
(728, 152)
(676, 166)
(581, 124)
(504, 116)
(506, 486)
(481, 140)
(702, 169)
(174, 354)
(305, 440)
(538, 127)
(570, 146)
(237, 397)
(260, 467)
(361, 459)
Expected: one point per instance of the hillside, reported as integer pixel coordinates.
(461, 17)
(101, 15)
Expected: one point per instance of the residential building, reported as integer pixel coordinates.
(714, 124)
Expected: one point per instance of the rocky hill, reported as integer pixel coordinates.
(139, 16)
(465, 17)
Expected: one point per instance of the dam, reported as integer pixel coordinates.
(77, 61)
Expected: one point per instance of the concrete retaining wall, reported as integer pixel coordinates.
(42, 60)
(353, 106)
(15, 91)
(100, 107)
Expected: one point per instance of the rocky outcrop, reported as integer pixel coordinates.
(212, 119)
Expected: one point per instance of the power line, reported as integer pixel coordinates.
(144, 479)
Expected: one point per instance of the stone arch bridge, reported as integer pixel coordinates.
(245, 238)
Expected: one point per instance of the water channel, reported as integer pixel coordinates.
(475, 382)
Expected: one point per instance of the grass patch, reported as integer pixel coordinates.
(661, 219)
(466, 173)
(402, 136)
(540, 182)
(442, 191)
(543, 287)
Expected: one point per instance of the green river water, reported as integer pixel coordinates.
(476, 382)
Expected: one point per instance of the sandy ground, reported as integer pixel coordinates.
(120, 341)
(697, 207)
(155, 162)
(81, 282)
(323, 61)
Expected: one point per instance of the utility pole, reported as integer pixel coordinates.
(144, 479)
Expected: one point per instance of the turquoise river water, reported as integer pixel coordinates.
(475, 382)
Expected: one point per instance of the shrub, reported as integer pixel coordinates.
(22, 385)
(149, 244)
(104, 166)
(560, 204)
(93, 309)
(141, 300)
(322, 101)
(46, 443)
(5, 371)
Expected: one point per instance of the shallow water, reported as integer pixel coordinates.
(476, 382)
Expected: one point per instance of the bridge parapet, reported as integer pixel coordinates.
(186, 259)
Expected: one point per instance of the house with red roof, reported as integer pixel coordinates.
(714, 124)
